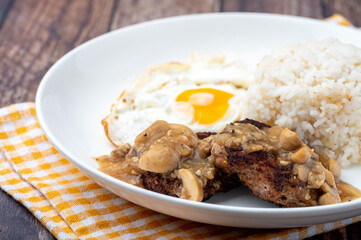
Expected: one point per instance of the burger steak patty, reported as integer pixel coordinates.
(172, 186)
(264, 176)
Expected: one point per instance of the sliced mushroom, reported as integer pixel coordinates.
(301, 155)
(329, 177)
(323, 158)
(334, 167)
(183, 149)
(151, 134)
(253, 148)
(275, 130)
(159, 159)
(302, 172)
(326, 199)
(333, 194)
(289, 140)
(331, 164)
(183, 134)
(192, 189)
(316, 176)
(348, 192)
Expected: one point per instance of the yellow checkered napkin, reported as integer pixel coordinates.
(72, 206)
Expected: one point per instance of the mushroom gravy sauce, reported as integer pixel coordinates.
(175, 151)
(172, 150)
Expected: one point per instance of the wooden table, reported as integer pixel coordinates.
(36, 33)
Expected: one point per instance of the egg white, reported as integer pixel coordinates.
(153, 96)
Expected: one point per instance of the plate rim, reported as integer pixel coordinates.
(254, 211)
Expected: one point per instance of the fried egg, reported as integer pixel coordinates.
(204, 94)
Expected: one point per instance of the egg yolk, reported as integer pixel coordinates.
(209, 104)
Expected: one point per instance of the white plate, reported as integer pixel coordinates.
(77, 92)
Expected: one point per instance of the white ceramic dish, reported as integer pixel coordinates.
(77, 92)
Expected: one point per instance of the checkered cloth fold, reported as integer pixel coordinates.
(72, 206)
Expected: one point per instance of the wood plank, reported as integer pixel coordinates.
(16, 222)
(354, 231)
(34, 36)
(37, 33)
(130, 12)
(306, 8)
(5, 6)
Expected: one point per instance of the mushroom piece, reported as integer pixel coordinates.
(183, 135)
(155, 131)
(192, 189)
(301, 155)
(326, 199)
(159, 159)
(183, 150)
(289, 140)
(162, 146)
(334, 167)
(302, 172)
(328, 177)
(331, 195)
(331, 164)
(323, 158)
(348, 192)
(316, 176)
(275, 130)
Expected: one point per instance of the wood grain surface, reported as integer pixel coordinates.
(36, 33)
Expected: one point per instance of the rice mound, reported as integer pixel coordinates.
(313, 88)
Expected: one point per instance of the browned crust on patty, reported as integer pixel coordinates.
(171, 186)
(264, 176)
(267, 179)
